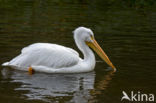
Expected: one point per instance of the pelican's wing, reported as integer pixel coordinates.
(45, 54)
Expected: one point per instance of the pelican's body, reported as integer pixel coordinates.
(53, 58)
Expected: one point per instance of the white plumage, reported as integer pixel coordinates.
(53, 58)
(38, 54)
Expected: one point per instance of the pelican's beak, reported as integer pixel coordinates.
(95, 46)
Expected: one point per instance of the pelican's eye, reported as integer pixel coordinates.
(92, 38)
(89, 40)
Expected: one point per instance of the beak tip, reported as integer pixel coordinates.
(114, 69)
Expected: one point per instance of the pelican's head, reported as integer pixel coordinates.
(85, 35)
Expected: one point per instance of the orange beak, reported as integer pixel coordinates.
(95, 46)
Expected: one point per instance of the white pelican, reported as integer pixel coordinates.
(53, 58)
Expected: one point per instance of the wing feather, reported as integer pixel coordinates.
(45, 54)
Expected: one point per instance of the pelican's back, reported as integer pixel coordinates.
(45, 54)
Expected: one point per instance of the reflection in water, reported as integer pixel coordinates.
(49, 87)
(42, 86)
(101, 85)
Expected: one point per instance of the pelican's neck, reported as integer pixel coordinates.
(89, 57)
(88, 53)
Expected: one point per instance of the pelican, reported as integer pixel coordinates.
(53, 58)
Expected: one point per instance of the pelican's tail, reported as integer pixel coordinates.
(5, 64)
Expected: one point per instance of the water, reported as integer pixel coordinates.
(127, 34)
